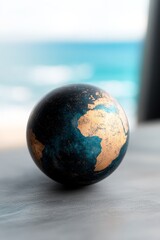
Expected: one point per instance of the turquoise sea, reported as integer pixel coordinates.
(29, 70)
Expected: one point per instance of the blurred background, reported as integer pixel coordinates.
(47, 43)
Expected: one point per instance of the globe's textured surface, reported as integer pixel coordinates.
(77, 134)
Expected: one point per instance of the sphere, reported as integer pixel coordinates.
(77, 134)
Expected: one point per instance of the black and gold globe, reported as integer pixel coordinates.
(77, 134)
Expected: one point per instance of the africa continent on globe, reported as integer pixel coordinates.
(77, 134)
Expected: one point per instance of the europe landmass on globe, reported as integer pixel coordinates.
(109, 124)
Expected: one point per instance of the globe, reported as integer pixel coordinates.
(77, 134)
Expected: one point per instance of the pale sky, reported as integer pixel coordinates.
(73, 19)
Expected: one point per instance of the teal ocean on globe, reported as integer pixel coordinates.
(77, 134)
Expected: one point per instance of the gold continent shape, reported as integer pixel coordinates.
(36, 146)
(112, 128)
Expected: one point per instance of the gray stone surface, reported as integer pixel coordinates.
(124, 206)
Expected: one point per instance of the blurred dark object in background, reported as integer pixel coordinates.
(149, 98)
